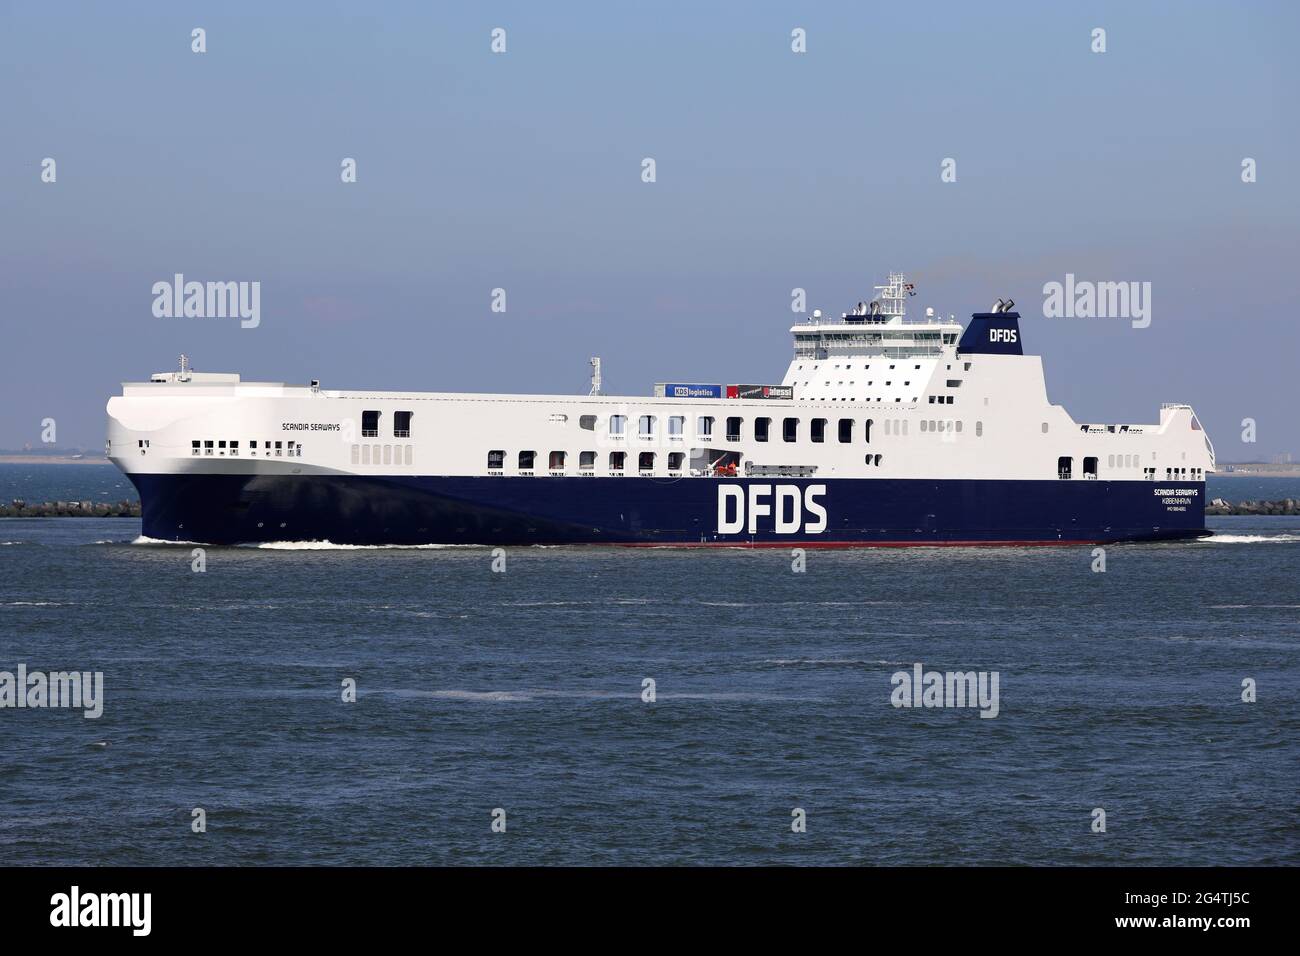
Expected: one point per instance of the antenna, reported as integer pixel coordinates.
(595, 375)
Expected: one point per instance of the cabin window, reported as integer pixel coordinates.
(761, 428)
(496, 460)
(704, 425)
(646, 461)
(790, 429)
(194, 447)
(1044, 428)
(586, 460)
(410, 452)
(676, 424)
(587, 422)
(526, 460)
(370, 424)
(846, 430)
(979, 429)
(1064, 466)
(402, 424)
(1090, 468)
(557, 461)
(617, 424)
(675, 460)
(388, 454)
(365, 454)
(646, 426)
(356, 454)
(616, 460)
(733, 428)
(819, 429)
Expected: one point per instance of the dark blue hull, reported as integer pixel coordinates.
(232, 509)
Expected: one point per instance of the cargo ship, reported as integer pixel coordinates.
(884, 431)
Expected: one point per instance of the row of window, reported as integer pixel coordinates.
(586, 461)
(735, 428)
(220, 448)
(401, 424)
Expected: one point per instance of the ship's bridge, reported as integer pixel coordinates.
(871, 354)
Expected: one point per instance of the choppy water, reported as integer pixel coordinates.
(522, 690)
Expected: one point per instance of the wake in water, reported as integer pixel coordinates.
(330, 546)
(301, 545)
(1251, 538)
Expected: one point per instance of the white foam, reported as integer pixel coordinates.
(1251, 538)
(331, 546)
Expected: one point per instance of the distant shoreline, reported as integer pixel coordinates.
(53, 460)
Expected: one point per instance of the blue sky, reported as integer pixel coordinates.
(522, 171)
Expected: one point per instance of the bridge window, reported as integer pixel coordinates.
(370, 424)
(586, 460)
(733, 428)
(617, 460)
(846, 430)
(402, 424)
(527, 459)
(557, 461)
(762, 426)
(646, 461)
(617, 424)
(704, 425)
(819, 429)
(790, 429)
